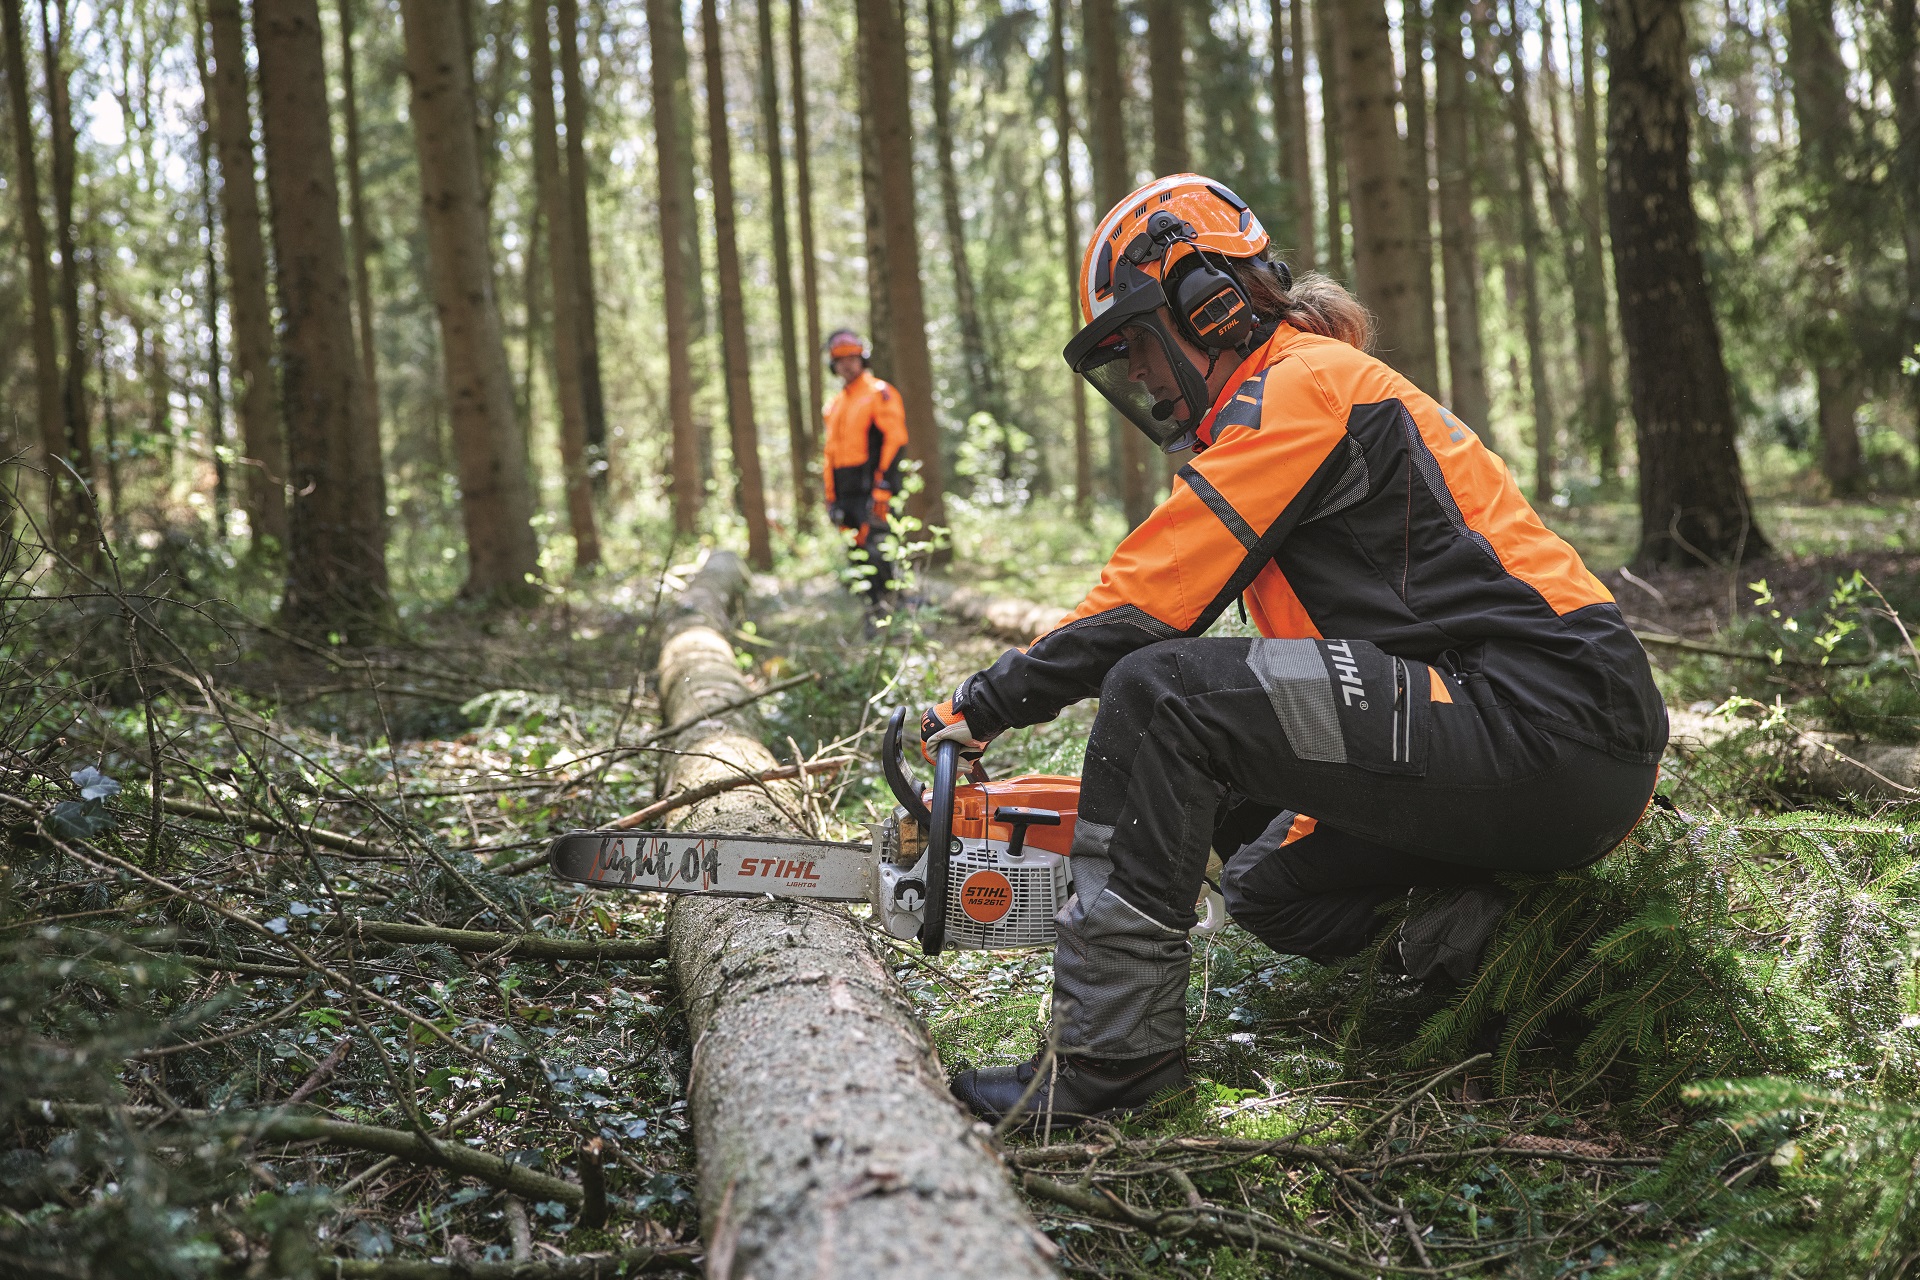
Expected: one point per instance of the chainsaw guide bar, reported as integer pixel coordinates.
(722, 865)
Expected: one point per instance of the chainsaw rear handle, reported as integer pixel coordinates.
(935, 819)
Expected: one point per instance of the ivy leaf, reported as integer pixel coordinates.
(93, 784)
(79, 819)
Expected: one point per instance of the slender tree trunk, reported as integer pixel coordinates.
(1532, 246)
(886, 41)
(569, 366)
(745, 434)
(879, 303)
(1600, 405)
(336, 566)
(1903, 26)
(1070, 243)
(210, 292)
(1693, 500)
(1413, 96)
(1167, 82)
(502, 553)
(586, 289)
(679, 267)
(73, 389)
(973, 341)
(797, 446)
(809, 261)
(1286, 35)
(1112, 181)
(109, 423)
(1825, 118)
(1332, 132)
(1385, 269)
(63, 499)
(1459, 259)
(360, 247)
(264, 491)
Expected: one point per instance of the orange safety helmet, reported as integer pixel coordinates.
(1172, 244)
(845, 342)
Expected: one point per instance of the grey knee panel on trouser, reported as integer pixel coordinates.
(1447, 932)
(1119, 976)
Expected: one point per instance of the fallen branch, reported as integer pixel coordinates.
(276, 1126)
(584, 1267)
(734, 704)
(1199, 1224)
(1739, 655)
(261, 822)
(708, 790)
(524, 946)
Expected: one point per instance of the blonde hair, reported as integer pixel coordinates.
(1315, 303)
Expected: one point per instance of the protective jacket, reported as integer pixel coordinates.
(866, 430)
(1342, 502)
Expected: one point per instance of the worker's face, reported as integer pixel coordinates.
(848, 367)
(1147, 364)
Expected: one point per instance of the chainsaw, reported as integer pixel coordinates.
(975, 866)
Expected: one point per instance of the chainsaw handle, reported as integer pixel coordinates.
(902, 787)
(946, 773)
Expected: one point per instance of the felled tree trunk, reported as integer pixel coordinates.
(828, 1143)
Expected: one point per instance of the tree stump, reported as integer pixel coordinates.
(828, 1143)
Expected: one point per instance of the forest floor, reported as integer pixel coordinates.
(182, 969)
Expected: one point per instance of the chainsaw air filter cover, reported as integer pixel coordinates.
(996, 902)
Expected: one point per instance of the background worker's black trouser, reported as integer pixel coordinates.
(1413, 779)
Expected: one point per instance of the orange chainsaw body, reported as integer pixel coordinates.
(974, 802)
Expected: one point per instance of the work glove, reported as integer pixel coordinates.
(882, 500)
(941, 723)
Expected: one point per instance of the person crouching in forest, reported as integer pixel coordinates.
(865, 437)
(1443, 693)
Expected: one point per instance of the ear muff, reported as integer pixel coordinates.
(1212, 308)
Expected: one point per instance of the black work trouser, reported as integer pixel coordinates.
(1412, 779)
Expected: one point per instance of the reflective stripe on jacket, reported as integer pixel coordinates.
(866, 431)
(1343, 502)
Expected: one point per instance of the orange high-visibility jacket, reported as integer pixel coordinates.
(1343, 502)
(866, 432)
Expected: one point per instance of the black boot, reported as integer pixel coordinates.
(1080, 1087)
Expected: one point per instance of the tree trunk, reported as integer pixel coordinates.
(264, 493)
(336, 565)
(872, 204)
(1167, 84)
(1070, 243)
(564, 285)
(1332, 130)
(78, 452)
(109, 430)
(1532, 246)
(1459, 259)
(1385, 268)
(1287, 41)
(1825, 118)
(797, 443)
(809, 261)
(210, 291)
(586, 287)
(64, 510)
(893, 149)
(814, 1083)
(1600, 408)
(745, 434)
(1903, 27)
(1693, 500)
(360, 248)
(679, 266)
(502, 554)
(1413, 96)
(973, 341)
(1112, 181)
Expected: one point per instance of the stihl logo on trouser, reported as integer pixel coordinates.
(1346, 702)
(1351, 686)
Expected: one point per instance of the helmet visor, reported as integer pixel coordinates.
(1128, 340)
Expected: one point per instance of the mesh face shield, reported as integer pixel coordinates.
(1106, 351)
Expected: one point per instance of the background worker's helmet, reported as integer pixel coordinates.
(845, 342)
(1173, 243)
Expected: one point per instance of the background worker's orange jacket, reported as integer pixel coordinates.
(866, 433)
(1342, 502)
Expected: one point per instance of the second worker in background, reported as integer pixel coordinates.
(865, 437)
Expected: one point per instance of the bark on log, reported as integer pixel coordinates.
(828, 1143)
